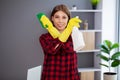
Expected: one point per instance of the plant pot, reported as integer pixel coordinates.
(94, 6)
(110, 76)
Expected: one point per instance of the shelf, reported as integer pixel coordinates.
(88, 69)
(88, 62)
(91, 30)
(96, 50)
(78, 10)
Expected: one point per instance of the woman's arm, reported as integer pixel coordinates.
(50, 45)
(67, 47)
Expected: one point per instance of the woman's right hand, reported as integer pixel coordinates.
(74, 22)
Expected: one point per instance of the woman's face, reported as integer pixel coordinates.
(60, 20)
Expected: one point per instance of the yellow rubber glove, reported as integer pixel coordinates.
(47, 24)
(73, 22)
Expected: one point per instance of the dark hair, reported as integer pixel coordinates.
(61, 7)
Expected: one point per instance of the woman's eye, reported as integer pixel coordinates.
(56, 17)
(64, 17)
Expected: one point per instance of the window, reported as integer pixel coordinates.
(118, 30)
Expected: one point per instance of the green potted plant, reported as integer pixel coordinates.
(110, 54)
(94, 3)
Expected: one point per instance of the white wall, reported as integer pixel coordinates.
(108, 23)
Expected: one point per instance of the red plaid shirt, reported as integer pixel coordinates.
(60, 60)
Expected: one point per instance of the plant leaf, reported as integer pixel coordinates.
(115, 45)
(103, 47)
(104, 65)
(115, 55)
(105, 51)
(95, 2)
(103, 57)
(115, 63)
(108, 44)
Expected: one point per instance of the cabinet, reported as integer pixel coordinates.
(88, 62)
(89, 75)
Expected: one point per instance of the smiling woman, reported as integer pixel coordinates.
(60, 59)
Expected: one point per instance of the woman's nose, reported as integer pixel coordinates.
(60, 19)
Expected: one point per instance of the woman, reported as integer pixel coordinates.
(60, 60)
